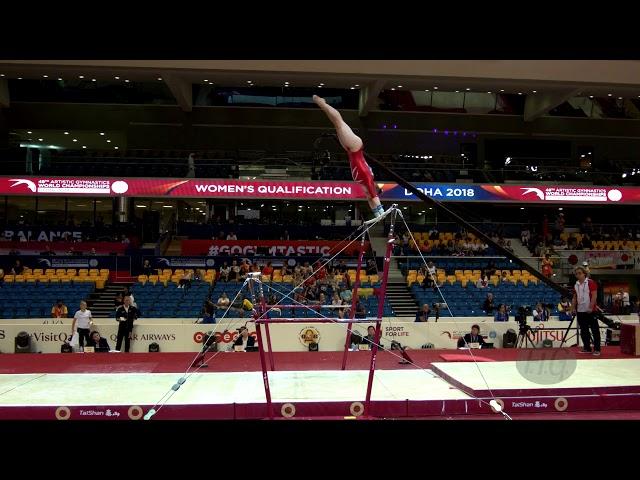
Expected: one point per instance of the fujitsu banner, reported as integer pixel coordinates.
(214, 248)
(311, 190)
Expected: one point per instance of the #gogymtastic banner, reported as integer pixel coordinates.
(214, 248)
(311, 190)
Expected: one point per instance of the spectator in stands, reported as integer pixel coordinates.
(473, 337)
(483, 281)
(223, 273)
(558, 226)
(337, 301)
(430, 273)
(209, 315)
(540, 313)
(346, 295)
(372, 269)
(197, 275)
(422, 315)
(286, 269)
(361, 312)
(268, 270)
(14, 252)
(185, 281)
(126, 315)
(525, 235)
(625, 304)
(119, 300)
(490, 270)
(82, 322)
(232, 236)
(547, 266)
(488, 305)
(434, 233)
(17, 269)
(98, 342)
(234, 274)
(223, 301)
(125, 239)
(146, 268)
(244, 339)
(504, 277)
(342, 267)
(59, 310)
(245, 268)
(501, 315)
(564, 309)
(1, 276)
(92, 252)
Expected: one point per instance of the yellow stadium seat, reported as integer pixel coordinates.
(83, 271)
(50, 271)
(373, 278)
(142, 279)
(71, 272)
(94, 272)
(100, 283)
(37, 271)
(104, 271)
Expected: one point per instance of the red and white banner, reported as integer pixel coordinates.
(312, 190)
(213, 248)
(219, 188)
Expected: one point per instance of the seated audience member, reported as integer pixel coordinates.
(185, 281)
(502, 315)
(224, 272)
(488, 305)
(146, 268)
(483, 281)
(223, 301)
(372, 269)
(370, 337)
(423, 314)
(504, 277)
(473, 337)
(564, 309)
(361, 312)
(540, 313)
(209, 315)
(99, 343)
(244, 339)
(59, 310)
(17, 269)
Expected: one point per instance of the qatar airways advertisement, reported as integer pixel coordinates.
(312, 190)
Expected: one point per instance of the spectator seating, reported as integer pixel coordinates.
(61, 276)
(26, 299)
(159, 299)
(167, 275)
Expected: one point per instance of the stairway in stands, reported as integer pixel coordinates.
(101, 302)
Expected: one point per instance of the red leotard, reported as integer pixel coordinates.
(361, 172)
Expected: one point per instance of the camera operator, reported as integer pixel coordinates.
(584, 303)
(501, 315)
(540, 313)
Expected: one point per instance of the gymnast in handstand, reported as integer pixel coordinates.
(353, 145)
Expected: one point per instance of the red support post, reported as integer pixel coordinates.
(354, 299)
(265, 376)
(381, 296)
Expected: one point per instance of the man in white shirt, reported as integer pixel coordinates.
(585, 294)
(82, 322)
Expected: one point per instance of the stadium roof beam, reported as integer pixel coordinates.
(369, 96)
(181, 90)
(537, 105)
